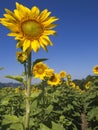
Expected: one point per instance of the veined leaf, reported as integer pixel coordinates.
(17, 78)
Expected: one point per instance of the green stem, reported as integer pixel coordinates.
(28, 92)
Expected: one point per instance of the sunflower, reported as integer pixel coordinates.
(30, 27)
(72, 84)
(54, 80)
(68, 77)
(63, 74)
(88, 84)
(95, 69)
(39, 70)
(49, 73)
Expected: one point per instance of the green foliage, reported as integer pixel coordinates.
(52, 108)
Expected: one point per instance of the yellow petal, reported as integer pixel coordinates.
(45, 40)
(49, 32)
(17, 14)
(26, 45)
(35, 45)
(50, 26)
(49, 21)
(44, 15)
(44, 46)
(35, 11)
(11, 18)
(11, 13)
(20, 9)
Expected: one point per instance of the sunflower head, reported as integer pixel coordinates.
(54, 80)
(72, 84)
(21, 56)
(63, 74)
(88, 84)
(39, 70)
(95, 69)
(30, 27)
(69, 77)
(49, 73)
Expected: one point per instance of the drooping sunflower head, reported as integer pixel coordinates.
(21, 56)
(39, 70)
(95, 69)
(30, 27)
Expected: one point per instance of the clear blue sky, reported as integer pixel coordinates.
(75, 47)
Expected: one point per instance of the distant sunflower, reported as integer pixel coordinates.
(54, 80)
(88, 84)
(30, 27)
(72, 84)
(95, 69)
(63, 74)
(39, 70)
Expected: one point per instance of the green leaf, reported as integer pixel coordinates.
(44, 127)
(35, 94)
(17, 126)
(39, 60)
(49, 109)
(57, 126)
(17, 78)
(93, 114)
(10, 119)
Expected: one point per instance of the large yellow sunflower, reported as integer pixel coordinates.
(95, 69)
(39, 70)
(30, 27)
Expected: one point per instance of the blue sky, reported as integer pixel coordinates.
(75, 47)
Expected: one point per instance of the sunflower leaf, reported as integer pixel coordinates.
(39, 60)
(17, 78)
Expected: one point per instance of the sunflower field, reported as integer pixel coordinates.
(56, 103)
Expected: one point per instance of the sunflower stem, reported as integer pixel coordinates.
(28, 92)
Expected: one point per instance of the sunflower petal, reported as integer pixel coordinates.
(35, 11)
(44, 15)
(35, 45)
(49, 32)
(50, 26)
(45, 40)
(26, 45)
(49, 21)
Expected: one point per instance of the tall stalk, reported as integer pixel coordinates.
(28, 93)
